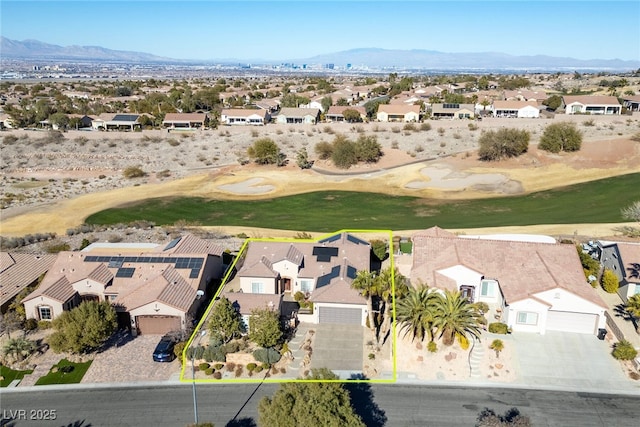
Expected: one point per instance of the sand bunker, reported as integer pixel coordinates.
(250, 186)
(444, 178)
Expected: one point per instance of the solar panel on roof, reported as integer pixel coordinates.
(330, 239)
(125, 272)
(351, 272)
(125, 118)
(172, 243)
(354, 239)
(195, 272)
(104, 258)
(324, 254)
(326, 279)
(91, 258)
(130, 259)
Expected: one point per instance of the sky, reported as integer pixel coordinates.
(288, 30)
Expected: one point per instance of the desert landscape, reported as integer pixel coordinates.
(52, 182)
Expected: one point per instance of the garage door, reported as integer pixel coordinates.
(582, 323)
(352, 316)
(158, 324)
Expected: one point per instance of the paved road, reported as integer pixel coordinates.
(400, 404)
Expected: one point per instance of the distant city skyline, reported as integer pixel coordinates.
(291, 30)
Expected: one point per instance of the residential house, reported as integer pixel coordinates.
(116, 121)
(82, 120)
(335, 113)
(154, 291)
(398, 113)
(631, 102)
(19, 271)
(322, 270)
(591, 104)
(453, 111)
(298, 116)
(530, 286)
(519, 109)
(185, 120)
(246, 303)
(525, 95)
(241, 116)
(623, 258)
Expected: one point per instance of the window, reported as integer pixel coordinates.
(257, 287)
(488, 289)
(527, 318)
(45, 313)
(637, 291)
(306, 285)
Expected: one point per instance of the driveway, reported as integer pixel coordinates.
(130, 361)
(338, 347)
(568, 360)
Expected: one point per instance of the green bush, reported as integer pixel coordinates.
(44, 324)
(624, 350)
(498, 328)
(432, 347)
(30, 324)
(559, 137)
(258, 369)
(298, 296)
(209, 371)
(217, 354)
(503, 143)
(609, 281)
(251, 367)
(218, 366)
(267, 356)
(203, 366)
(178, 349)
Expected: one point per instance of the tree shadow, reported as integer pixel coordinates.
(78, 423)
(242, 422)
(622, 313)
(118, 339)
(363, 403)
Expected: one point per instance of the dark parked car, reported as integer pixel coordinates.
(164, 350)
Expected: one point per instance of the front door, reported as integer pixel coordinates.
(286, 284)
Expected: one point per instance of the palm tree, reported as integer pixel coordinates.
(633, 308)
(455, 316)
(497, 346)
(415, 312)
(365, 283)
(391, 285)
(17, 347)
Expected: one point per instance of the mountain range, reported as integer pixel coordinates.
(362, 57)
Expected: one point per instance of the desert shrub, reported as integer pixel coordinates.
(441, 131)
(258, 369)
(267, 356)
(251, 367)
(379, 248)
(232, 347)
(609, 281)
(561, 137)
(218, 366)
(133, 172)
(302, 159)
(238, 371)
(324, 150)
(395, 129)
(215, 354)
(425, 126)
(344, 153)
(30, 324)
(503, 143)
(410, 127)
(432, 347)
(57, 246)
(217, 375)
(368, 149)
(173, 142)
(9, 139)
(179, 349)
(163, 173)
(209, 371)
(230, 366)
(472, 126)
(372, 356)
(44, 324)
(589, 122)
(203, 366)
(498, 328)
(624, 350)
(636, 137)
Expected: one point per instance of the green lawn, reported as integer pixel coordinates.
(8, 375)
(594, 202)
(60, 377)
